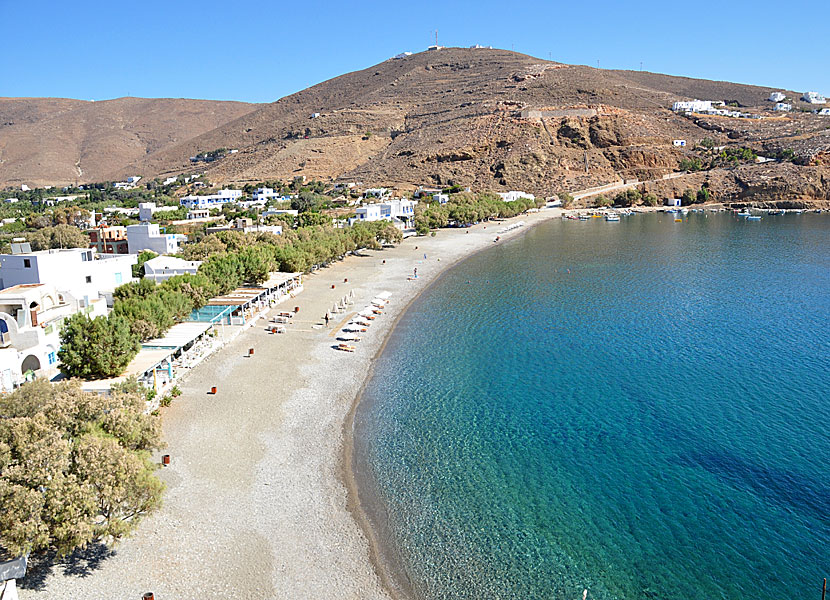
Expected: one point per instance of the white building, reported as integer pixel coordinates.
(220, 198)
(265, 193)
(777, 97)
(679, 143)
(782, 107)
(162, 268)
(315, 115)
(170, 180)
(401, 55)
(145, 211)
(441, 198)
(129, 184)
(368, 212)
(148, 236)
(813, 98)
(198, 213)
(513, 196)
(672, 201)
(397, 210)
(77, 271)
(31, 316)
(692, 106)
(824, 112)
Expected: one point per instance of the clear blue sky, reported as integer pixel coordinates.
(261, 51)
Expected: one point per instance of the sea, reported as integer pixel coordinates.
(632, 410)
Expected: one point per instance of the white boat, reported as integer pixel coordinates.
(612, 217)
(744, 214)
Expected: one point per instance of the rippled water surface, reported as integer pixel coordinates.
(654, 423)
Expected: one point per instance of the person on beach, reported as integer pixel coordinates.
(425, 255)
(327, 319)
(416, 273)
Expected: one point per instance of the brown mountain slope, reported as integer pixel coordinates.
(454, 116)
(60, 141)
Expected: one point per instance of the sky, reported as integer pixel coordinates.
(261, 51)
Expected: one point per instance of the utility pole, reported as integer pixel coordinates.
(597, 63)
(586, 161)
(436, 37)
(641, 65)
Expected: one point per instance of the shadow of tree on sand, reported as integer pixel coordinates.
(80, 563)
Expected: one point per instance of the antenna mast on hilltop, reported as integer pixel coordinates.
(436, 37)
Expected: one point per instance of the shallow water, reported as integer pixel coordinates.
(654, 423)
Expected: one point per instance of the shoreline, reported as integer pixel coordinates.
(261, 498)
(395, 581)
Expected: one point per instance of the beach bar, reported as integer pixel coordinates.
(161, 360)
(239, 306)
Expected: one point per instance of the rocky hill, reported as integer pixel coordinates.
(60, 141)
(494, 119)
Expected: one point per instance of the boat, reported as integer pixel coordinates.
(345, 347)
(744, 214)
(612, 217)
(583, 217)
(753, 218)
(596, 216)
(678, 220)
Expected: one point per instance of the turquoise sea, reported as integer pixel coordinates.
(640, 409)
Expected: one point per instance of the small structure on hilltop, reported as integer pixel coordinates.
(777, 97)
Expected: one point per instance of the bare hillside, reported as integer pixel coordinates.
(456, 116)
(59, 141)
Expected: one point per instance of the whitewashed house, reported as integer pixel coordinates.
(80, 272)
(198, 213)
(679, 143)
(265, 193)
(692, 106)
(441, 198)
(782, 107)
(31, 316)
(813, 98)
(218, 199)
(399, 211)
(777, 97)
(824, 112)
(162, 268)
(514, 195)
(672, 201)
(148, 236)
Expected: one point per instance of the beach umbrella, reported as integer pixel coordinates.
(334, 308)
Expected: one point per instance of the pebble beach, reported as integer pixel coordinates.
(260, 499)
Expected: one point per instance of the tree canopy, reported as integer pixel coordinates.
(74, 466)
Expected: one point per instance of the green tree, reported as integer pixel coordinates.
(73, 466)
(143, 257)
(689, 197)
(96, 348)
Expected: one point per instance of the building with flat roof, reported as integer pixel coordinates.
(162, 268)
(109, 240)
(218, 199)
(80, 272)
(148, 236)
(31, 316)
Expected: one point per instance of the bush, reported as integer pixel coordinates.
(601, 201)
(74, 466)
(176, 391)
(689, 197)
(693, 164)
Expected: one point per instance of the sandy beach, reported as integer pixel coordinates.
(260, 502)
